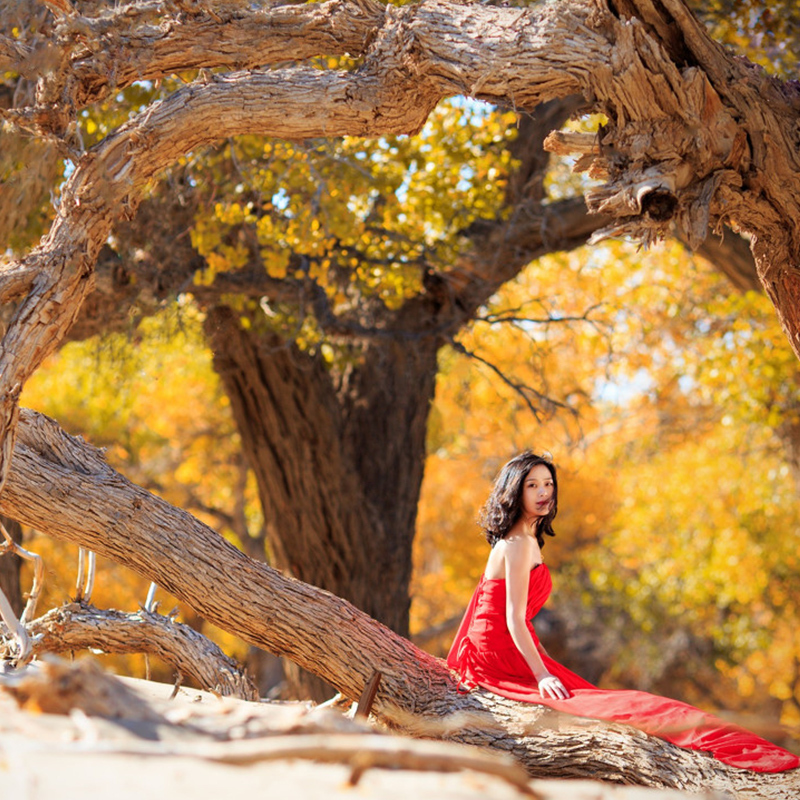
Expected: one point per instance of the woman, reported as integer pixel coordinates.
(496, 646)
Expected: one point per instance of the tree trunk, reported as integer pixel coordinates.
(339, 481)
(64, 488)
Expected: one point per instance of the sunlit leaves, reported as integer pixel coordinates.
(361, 219)
(703, 538)
(767, 33)
(155, 402)
(750, 364)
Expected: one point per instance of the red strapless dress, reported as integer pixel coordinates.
(484, 654)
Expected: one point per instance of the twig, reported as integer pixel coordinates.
(368, 695)
(520, 388)
(83, 592)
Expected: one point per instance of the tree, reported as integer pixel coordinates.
(684, 143)
(369, 406)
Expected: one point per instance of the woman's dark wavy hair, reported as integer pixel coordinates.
(504, 506)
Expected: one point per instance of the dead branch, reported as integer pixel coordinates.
(369, 751)
(78, 626)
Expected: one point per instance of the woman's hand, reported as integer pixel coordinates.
(550, 686)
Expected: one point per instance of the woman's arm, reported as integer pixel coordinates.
(520, 556)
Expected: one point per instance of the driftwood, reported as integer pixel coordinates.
(62, 688)
(55, 478)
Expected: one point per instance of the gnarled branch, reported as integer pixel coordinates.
(78, 626)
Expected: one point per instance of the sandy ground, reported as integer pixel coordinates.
(200, 746)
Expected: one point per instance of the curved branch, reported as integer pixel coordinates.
(153, 40)
(521, 390)
(99, 509)
(78, 626)
(110, 179)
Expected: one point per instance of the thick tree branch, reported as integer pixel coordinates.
(229, 36)
(153, 40)
(89, 504)
(695, 146)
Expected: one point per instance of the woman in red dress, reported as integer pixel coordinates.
(496, 646)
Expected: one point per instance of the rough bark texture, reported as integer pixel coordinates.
(78, 626)
(56, 484)
(339, 474)
(699, 152)
(323, 516)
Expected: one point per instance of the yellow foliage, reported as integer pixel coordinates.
(671, 511)
(156, 403)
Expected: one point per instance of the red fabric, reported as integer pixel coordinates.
(484, 654)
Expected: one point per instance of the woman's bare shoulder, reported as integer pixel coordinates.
(517, 542)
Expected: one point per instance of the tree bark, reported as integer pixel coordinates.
(77, 626)
(338, 472)
(64, 488)
(338, 475)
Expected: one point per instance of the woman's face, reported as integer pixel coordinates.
(537, 492)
